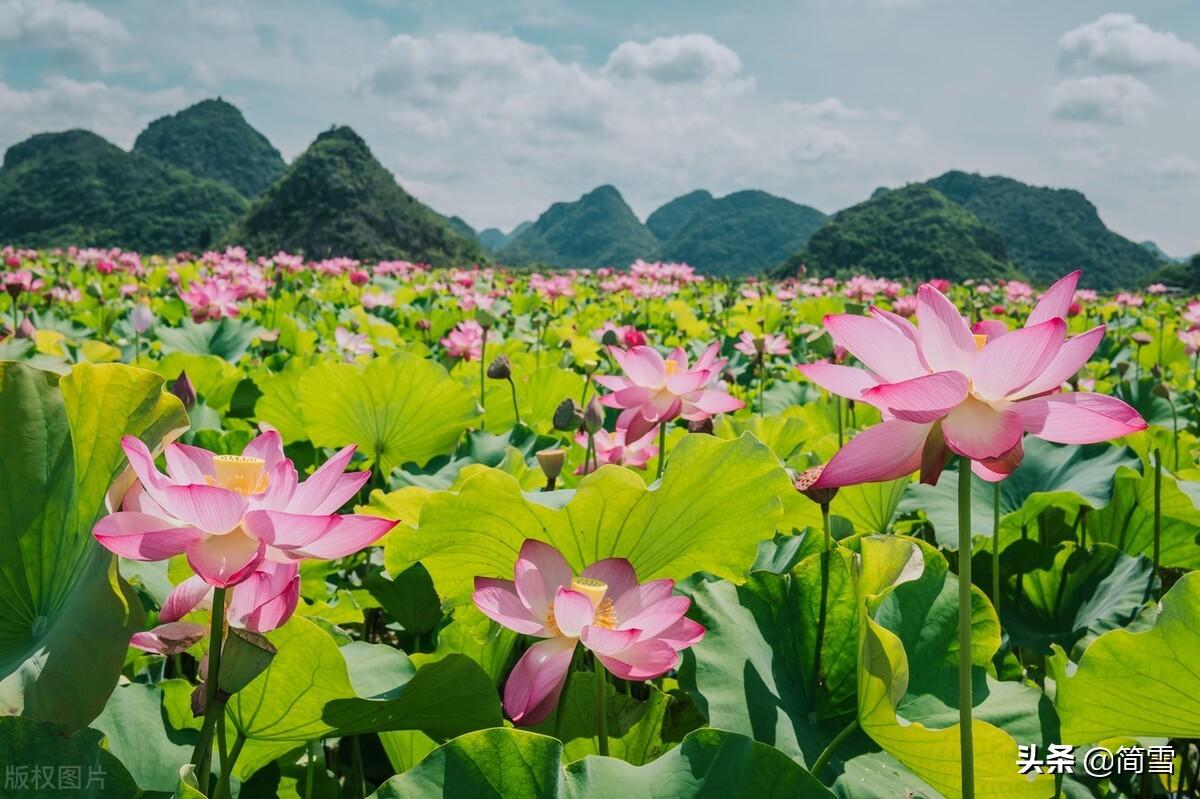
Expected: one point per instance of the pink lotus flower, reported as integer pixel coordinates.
(465, 341)
(612, 448)
(1190, 339)
(230, 514)
(654, 391)
(942, 390)
(753, 346)
(352, 344)
(635, 631)
(210, 299)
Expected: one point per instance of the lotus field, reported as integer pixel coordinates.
(282, 527)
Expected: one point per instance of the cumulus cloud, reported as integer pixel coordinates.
(62, 25)
(690, 58)
(816, 143)
(60, 103)
(1120, 43)
(828, 108)
(1109, 100)
(1173, 169)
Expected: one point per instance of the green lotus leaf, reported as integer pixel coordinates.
(1142, 684)
(907, 676)
(635, 729)
(878, 775)
(134, 723)
(472, 634)
(1128, 521)
(396, 409)
(539, 392)
(514, 452)
(1049, 476)
(226, 338)
(504, 763)
(280, 401)
(753, 672)
(1068, 593)
(65, 616)
(870, 507)
(40, 759)
(716, 502)
(314, 689)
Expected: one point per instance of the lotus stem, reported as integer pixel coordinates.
(483, 373)
(966, 741)
(996, 546)
(840, 432)
(662, 447)
(202, 754)
(823, 759)
(357, 776)
(516, 410)
(601, 707)
(824, 611)
(762, 369)
(1157, 506)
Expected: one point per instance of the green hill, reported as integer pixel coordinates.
(912, 232)
(1049, 232)
(75, 188)
(495, 239)
(336, 199)
(460, 225)
(1180, 274)
(212, 139)
(598, 229)
(666, 221)
(742, 233)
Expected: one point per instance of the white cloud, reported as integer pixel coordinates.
(818, 143)
(62, 25)
(1120, 43)
(829, 108)
(1109, 100)
(116, 113)
(1173, 169)
(690, 58)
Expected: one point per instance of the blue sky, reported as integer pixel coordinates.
(493, 110)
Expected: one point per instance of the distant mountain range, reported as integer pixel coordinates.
(204, 177)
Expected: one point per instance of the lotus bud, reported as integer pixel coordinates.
(500, 368)
(244, 656)
(1162, 390)
(485, 319)
(1122, 368)
(593, 416)
(1141, 338)
(26, 329)
(701, 426)
(804, 483)
(183, 388)
(141, 317)
(95, 290)
(423, 325)
(610, 339)
(551, 462)
(567, 416)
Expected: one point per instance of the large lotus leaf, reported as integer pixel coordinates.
(65, 618)
(396, 409)
(135, 724)
(1068, 593)
(472, 634)
(878, 775)
(635, 729)
(1141, 684)
(1144, 398)
(785, 435)
(539, 392)
(1049, 476)
(716, 501)
(504, 763)
(226, 338)
(513, 451)
(280, 401)
(43, 760)
(1128, 521)
(753, 672)
(313, 689)
(870, 507)
(907, 678)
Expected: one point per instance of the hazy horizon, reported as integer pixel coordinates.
(492, 114)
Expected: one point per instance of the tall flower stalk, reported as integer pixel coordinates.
(966, 738)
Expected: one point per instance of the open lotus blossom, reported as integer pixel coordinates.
(943, 390)
(1191, 340)
(770, 344)
(465, 341)
(635, 630)
(614, 448)
(230, 514)
(655, 390)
